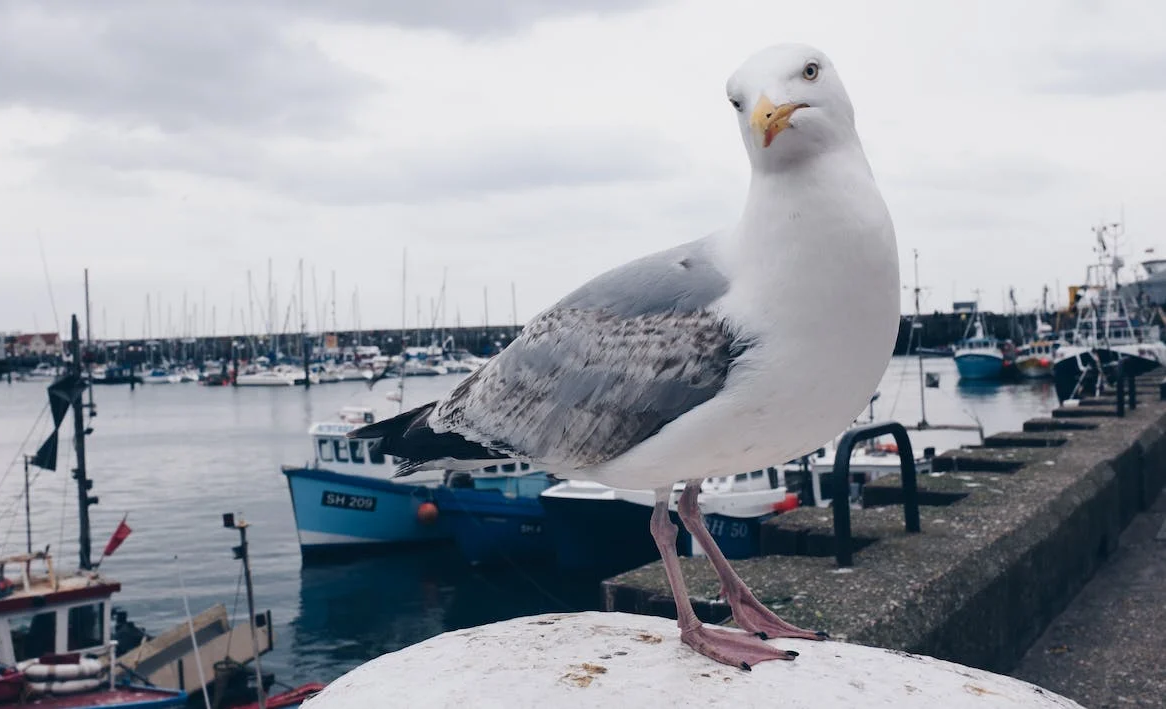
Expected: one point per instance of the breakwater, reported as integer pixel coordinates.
(1011, 531)
(939, 330)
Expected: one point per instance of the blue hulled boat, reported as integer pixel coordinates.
(599, 529)
(345, 500)
(496, 516)
(979, 357)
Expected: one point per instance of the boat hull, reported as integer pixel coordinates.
(491, 528)
(738, 538)
(602, 536)
(979, 366)
(1078, 366)
(339, 514)
(1034, 367)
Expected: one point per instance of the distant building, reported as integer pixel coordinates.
(37, 344)
(963, 306)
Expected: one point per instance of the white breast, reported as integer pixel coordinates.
(815, 285)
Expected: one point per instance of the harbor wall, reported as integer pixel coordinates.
(1016, 528)
(939, 330)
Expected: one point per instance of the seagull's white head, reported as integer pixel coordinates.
(790, 104)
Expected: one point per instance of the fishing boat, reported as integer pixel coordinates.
(1108, 329)
(42, 667)
(495, 515)
(1034, 359)
(599, 529)
(978, 357)
(345, 499)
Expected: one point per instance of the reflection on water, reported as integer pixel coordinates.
(405, 598)
(177, 456)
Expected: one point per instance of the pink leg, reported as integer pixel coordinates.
(749, 613)
(727, 646)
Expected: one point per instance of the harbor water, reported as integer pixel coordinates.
(175, 457)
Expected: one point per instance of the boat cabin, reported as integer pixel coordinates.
(49, 614)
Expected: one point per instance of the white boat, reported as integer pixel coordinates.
(264, 378)
(42, 371)
(423, 362)
(350, 371)
(159, 375)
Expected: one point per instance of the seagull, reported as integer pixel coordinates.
(751, 345)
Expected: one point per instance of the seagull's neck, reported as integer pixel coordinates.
(822, 216)
(803, 210)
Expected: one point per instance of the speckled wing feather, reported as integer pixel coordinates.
(605, 368)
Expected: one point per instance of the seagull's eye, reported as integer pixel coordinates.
(810, 71)
(736, 103)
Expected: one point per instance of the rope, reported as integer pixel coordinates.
(234, 610)
(20, 450)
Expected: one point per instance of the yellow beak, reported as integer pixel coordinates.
(769, 120)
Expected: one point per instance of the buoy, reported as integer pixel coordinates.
(427, 513)
(1044, 361)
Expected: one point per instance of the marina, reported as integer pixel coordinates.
(159, 439)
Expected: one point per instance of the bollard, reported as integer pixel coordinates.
(1121, 391)
(843, 551)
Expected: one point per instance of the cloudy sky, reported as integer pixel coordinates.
(171, 147)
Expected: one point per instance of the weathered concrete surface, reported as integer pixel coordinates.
(987, 574)
(615, 660)
(1107, 649)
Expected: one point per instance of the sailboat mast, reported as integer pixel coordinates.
(83, 484)
(404, 325)
(305, 350)
(914, 324)
(88, 341)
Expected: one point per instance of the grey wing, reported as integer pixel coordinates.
(605, 368)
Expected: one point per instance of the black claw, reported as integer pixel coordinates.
(762, 635)
(745, 666)
(792, 653)
(822, 634)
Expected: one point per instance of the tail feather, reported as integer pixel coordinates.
(409, 436)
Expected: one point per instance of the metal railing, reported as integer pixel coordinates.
(843, 544)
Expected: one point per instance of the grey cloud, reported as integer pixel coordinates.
(170, 65)
(1109, 73)
(377, 176)
(463, 17)
(219, 63)
(1012, 178)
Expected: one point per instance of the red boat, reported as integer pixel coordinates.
(289, 699)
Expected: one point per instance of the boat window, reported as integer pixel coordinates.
(375, 456)
(340, 450)
(756, 474)
(86, 626)
(524, 466)
(33, 635)
(741, 477)
(490, 469)
(356, 451)
(508, 467)
(323, 449)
